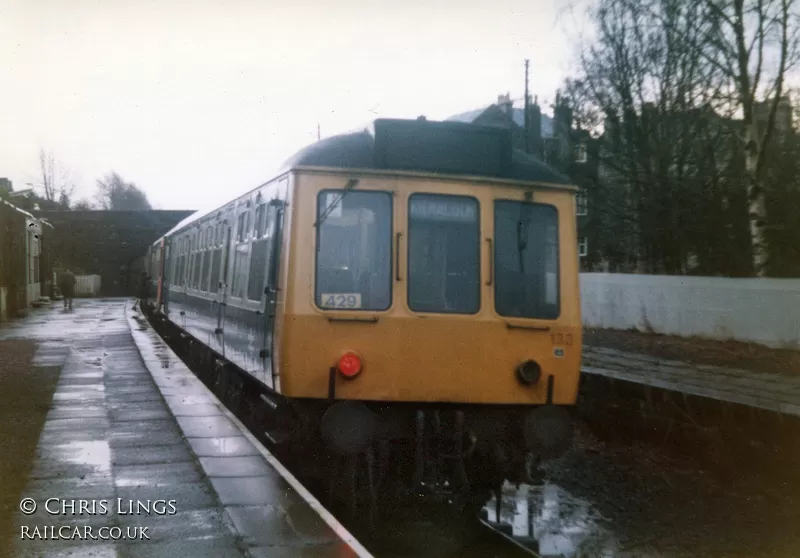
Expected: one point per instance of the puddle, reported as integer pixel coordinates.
(552, 522)
(96, 455)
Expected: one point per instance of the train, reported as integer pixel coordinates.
(408, 292)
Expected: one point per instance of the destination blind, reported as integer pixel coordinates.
(443, 208)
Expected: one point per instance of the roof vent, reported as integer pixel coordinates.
(442, 147)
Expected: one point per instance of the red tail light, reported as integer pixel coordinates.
(349, 365)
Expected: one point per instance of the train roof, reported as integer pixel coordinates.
(454, 148)
(447, 148)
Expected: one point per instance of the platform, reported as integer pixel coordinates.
(772, 392)
(130, 426)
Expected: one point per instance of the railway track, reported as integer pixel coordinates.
(418, 532)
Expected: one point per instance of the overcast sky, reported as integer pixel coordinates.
(196, 101)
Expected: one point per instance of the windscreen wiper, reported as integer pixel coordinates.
(328, 210)
(522, 235)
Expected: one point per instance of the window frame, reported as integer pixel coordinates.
(240, 227)
(478, 248)
(261, 220)
(582, 203)
(581, 152)
(559, 305)
(392, 257)
(583, 246)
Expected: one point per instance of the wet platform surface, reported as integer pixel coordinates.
(773, 392)
(156, 459)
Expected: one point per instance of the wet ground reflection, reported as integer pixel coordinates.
(552, 522)
(625, 499)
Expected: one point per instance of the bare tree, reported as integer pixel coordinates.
(751, 45)
(697, 91)
(741, 37)
(645, 81)
(113, 193)
(55, 182)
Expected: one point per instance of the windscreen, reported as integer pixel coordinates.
(526, 260)
(354, 250)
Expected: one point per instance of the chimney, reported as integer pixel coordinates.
(535, 127)
(504, 102)
(562, 127)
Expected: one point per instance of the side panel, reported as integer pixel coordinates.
(223, 301)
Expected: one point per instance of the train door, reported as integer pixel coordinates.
(223, 289)
(160, 255)
(276, 218)
(275, 211)
(166, 261)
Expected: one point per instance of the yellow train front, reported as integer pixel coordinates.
(435, 297)
(408, 293)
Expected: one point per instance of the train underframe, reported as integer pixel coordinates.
(375, 455)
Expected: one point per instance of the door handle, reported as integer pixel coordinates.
(490, 280)
(397, 256)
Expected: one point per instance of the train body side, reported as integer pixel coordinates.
(215, 272)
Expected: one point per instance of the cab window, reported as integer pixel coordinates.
(354, 250)
(526, 260)
(443, 254)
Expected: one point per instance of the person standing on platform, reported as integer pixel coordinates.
(67, 286)
(144, 289)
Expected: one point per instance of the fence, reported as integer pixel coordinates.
(87, 285)
(765, 311)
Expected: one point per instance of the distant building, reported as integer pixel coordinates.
(503, 113)
(25, 273)
(5, 187)
(554, 141)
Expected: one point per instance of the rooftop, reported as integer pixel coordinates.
(517, 115)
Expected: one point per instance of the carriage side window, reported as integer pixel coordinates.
(240, 228)
(173, 263)
(207, 259)
(526, 260)
(240, 259)
(443, 254)
(198, 260)
(260, 221)
(176, 273)
(260, 252)
(354, 250)
(216, 265)
(190, 261)
(182, 264)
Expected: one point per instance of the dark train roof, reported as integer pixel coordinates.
(427, 146)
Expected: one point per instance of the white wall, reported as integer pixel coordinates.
(765, 311)
(87, 285)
